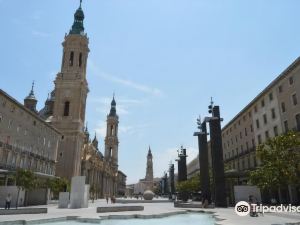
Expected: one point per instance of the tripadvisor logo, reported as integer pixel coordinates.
(242, 208)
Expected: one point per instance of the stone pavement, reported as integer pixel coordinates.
(227, 216)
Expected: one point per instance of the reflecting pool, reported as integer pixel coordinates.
(181, 219)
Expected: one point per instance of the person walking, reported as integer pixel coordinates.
(106, 199)
(7, 201)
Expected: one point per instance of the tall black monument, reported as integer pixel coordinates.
(217, 156)
(171, 179)
(203, 161)
(182, 169)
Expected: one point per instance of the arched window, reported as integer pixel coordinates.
(80, 59)
(71, 59)
(110, 152)
(111, 130)
(67, 109)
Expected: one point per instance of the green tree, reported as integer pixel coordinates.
(280, 157)
(58, 185)
(25, 180)
(191, 185)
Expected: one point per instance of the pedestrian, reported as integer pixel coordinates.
(7, 201)
(106, 199)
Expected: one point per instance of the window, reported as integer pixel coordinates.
(9, 123)
(71, 59)
(111, 130)
(294, 99)
(273, 113)
(282, 107)
(280, 88)
(80, 59)
(251, 128)
(263, 103)
(257, 124)
(253, 143)
(67, 109)
(271, 96)
(275, 131)
(247, 145)
(250, 114)
(265, 119)
(298, 121)
(241, 136)
(286, 126)
(255, 108)
(267, 135)
(259, 139)
(245, 131)
(291, 80)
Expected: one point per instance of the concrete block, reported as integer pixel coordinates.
(79, 193)
(63, 200)
(119, 209)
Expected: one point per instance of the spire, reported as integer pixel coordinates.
(30, 101)
(149, 151)
(95, 141)
(31, 93)
(77, 27)
(113, 110)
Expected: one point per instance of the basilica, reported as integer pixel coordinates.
(54, 141)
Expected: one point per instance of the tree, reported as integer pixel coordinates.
(280, 157)
(191, 185)
(25, 180)
(58, 185)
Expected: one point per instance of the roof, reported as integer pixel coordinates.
(28, 111)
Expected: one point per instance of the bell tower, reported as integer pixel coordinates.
(149, 170)
(111, 139)
(71, 90)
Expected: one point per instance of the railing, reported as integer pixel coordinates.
(31, 154)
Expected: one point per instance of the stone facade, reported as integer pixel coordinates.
(26, 141)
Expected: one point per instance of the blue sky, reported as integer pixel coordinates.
(164, 59)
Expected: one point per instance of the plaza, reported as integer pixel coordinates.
(223, 216)
(154, 113)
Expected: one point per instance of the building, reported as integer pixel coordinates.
(272, 112)
(26, 142)
(121, 183)
(100, 171)
(148, 182)
(53, 141)
(71, 90)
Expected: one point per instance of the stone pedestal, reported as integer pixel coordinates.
(79, 193)
(63, 200)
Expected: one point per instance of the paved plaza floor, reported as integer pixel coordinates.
(225, 216)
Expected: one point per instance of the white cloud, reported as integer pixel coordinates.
(36, 15)
(128, 83)
(40, 34)
(123, 104)
(101, 129)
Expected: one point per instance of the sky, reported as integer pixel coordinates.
(164, 59)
